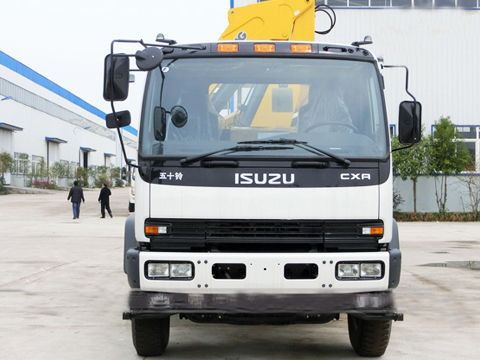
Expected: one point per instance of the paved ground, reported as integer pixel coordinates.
(63, 290)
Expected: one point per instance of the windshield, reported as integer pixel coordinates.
(204, 105)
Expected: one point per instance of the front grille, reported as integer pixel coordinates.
(261, 230)
(264, 235)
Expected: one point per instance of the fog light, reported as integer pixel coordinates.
(348, 270)
(371, 270)
(183, 270)
(158, 270)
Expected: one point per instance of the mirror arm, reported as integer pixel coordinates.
(402, 148)
(183, 47)
(120, 137)
(406, 79)
(125, 41)
(411, 95)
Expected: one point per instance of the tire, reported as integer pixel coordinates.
(150, 336)
(369, 337)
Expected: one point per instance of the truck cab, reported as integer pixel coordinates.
(263, 188)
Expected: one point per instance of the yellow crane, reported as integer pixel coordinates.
(292, 20)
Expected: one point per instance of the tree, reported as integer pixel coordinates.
(58, 170)
(6, 165)
(82, 176)
(448, 155)
(472, 183)
(101, 176)
(410, 163)
(116, 174)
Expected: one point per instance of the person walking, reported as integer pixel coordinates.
(104, 200)
(76, 194)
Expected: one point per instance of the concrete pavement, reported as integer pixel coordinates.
(63, 290)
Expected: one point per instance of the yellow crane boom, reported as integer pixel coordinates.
(272, 20)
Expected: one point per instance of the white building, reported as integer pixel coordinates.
(41, 122)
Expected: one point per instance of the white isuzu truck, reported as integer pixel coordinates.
(263, 187)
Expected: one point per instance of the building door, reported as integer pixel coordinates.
(85, 159)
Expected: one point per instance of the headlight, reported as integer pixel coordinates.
(360, 270)
(348, 270)
(158, 270)
(167, 270)
(181, 270)
(371, 270)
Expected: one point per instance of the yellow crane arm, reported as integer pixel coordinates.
(272, 20)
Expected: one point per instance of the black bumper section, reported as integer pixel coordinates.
(373, 306)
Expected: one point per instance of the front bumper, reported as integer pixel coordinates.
(375, 305)
(264, 273)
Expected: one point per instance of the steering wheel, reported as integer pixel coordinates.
(347, 125)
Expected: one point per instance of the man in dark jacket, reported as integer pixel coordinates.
(76, 194)
(104, 200)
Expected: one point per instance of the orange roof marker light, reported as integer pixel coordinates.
(301, 48)
(264, 48)
(227, 48)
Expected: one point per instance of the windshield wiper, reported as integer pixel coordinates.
(195, 158)
(302, 145)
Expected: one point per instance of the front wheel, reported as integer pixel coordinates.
(150, 336)
(369, 337)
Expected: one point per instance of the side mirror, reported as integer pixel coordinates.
(179, 116)
(149, 58)
(123, 119)
(116, 77)
(410, 122)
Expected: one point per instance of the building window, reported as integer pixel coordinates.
(338, 2)
(20, 165)
(38, 165)
(401, 3)
(468, 3)
(423, 4)
(108, 161)
(446, 3)
(383, 3)
(359, 2)
(472, 142)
